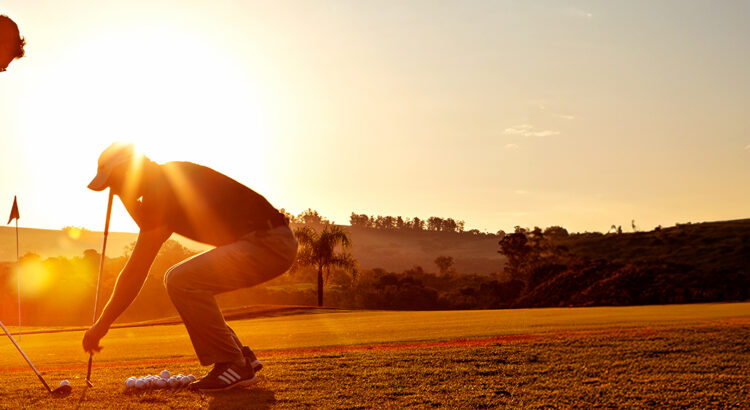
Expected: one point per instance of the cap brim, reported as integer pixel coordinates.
(99, 183)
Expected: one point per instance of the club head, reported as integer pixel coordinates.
(62, 391)
(88, 383)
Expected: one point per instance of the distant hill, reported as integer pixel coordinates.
(708, 245)
(51, 243)
(397, 251)
(390, 250)
(716, 246)
(687, 263)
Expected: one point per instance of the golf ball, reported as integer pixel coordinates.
(140, 384)
(191, 377)
(64, 383)
(161, 383)
(130, 382)
(173, 382)
(165, 374)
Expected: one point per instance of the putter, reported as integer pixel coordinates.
(62, 390)
(99, 278)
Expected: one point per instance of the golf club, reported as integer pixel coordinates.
(99, 278)
(62, 390)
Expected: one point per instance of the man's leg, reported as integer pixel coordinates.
(193, 283)
(236, 338)
(247, 353)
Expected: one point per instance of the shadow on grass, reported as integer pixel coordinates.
(253, 398)
(81, 398)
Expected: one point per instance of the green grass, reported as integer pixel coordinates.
(656, 356)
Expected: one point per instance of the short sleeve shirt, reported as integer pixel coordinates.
(203, 205)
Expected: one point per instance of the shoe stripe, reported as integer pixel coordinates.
(231, 377)
(244, 383)
(233, 373)
(225, 379)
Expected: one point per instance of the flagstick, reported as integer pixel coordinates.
(18, 270)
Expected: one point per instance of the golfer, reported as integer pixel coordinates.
(253, 244)
(11, 42)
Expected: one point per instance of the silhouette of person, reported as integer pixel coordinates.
(253, 244)
(11, 42)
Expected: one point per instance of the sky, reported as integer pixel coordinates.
(582, 114)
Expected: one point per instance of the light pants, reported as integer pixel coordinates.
(255, 258)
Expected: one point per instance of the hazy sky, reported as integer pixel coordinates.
(582, 114)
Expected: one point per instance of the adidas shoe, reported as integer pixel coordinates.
(225, 376)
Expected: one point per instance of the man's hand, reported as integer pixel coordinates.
(92, 337)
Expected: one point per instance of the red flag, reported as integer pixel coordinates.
(14, 212)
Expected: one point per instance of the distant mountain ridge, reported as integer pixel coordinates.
(52, 243)
(390, 250)
(720, 244)
(687, 263)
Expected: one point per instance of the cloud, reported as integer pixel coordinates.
(511, 146)
(518, 129)
(584, 14)
(521, 192)
(747, 147)
(565, 116)
(527, 130)
(545, 133)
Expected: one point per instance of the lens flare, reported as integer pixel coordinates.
(74, 232)
(35, 278)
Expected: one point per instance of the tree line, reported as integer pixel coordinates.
(398, 223)
(389, 223)
(416, 224)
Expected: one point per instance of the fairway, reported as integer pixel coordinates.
(302, 351)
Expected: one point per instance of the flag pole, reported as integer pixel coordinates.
(18, 272)
(14, 214)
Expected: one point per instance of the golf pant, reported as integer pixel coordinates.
(255, 258)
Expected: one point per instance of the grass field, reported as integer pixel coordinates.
(657, 356)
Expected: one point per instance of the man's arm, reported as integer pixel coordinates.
(129, 283)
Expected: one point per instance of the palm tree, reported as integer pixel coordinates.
(318, 249)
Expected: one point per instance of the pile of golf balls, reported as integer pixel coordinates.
(162, 381)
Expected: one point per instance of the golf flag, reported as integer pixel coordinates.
(14, 212)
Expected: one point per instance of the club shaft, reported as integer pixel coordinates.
(24, 356)
(99, 277)
(88, 372)
(104, 249)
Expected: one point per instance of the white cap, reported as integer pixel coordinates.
(116, 154)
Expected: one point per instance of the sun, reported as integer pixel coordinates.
(169, 90)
